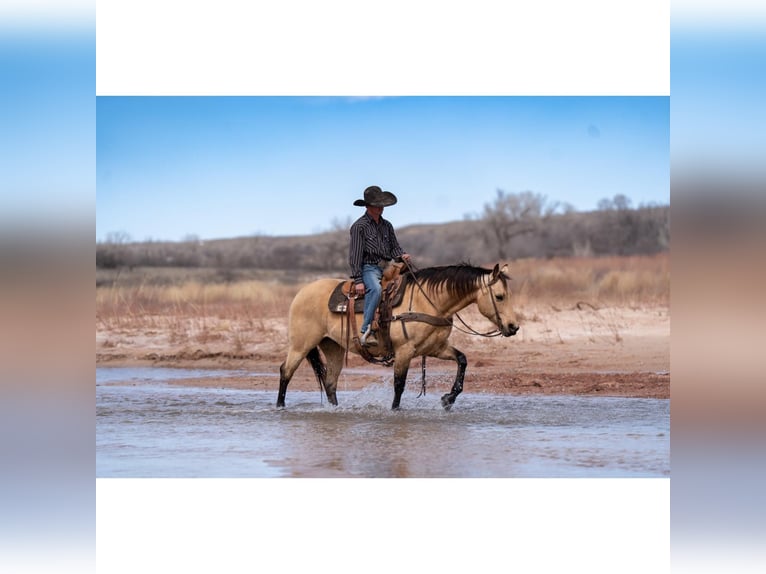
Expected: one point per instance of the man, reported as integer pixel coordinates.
(373, 246)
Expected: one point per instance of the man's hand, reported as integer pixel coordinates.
(406, 257)
(359, 288)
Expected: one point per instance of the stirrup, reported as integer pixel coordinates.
(368, 336)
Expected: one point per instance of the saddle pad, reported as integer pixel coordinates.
(338, 302)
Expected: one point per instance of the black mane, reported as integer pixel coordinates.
(459, 280)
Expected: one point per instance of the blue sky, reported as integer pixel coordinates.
(718, 88)
(47, 121)
(216, 167)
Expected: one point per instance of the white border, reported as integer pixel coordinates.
(400, 47)
(376, 525)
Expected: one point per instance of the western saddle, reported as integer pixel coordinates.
(345, 301)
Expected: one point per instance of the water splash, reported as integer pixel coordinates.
(156, 429)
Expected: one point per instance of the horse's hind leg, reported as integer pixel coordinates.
(453, 354)
(333, 353)
(286, 372)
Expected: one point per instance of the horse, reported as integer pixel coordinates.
(420, 325)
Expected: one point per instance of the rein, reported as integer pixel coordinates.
(387, 360)
(468, 329)
(442, 320)
(437, 321)
(471, 330)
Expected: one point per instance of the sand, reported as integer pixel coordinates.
(581, 350)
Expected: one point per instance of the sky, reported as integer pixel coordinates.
(47, 121)
(219, 167)
(718, 88)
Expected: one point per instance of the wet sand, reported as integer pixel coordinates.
(615, 351)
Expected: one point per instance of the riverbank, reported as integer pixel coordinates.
(581, 350)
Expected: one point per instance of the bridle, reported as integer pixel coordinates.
(468, 329)
(498, 321)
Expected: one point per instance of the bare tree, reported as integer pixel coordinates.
(514, 214)
(513, 225)
(114, 252)
(619, 202)
(335, 250)
(622, 230)
(118, 237)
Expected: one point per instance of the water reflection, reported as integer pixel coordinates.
(148, 428)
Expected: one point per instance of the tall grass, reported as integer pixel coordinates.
(152, 304)
(631, 281)
(607, 281)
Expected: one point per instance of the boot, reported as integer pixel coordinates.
(368, 338)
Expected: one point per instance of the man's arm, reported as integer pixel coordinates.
(356, 252)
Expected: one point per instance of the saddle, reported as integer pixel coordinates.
(391, 284)
(338, 302)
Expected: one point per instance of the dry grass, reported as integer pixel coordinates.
(193, 315)
(195, 311)
(187, 307)
(607, 281)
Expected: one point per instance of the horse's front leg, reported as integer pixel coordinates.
(457, 387)
(401, 366)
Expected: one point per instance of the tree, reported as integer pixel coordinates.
(118, 237)
(114, 252)
(514, 214)
(335, 252)
(622, 230)
(619, 202)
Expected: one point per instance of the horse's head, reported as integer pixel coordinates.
(495, 302)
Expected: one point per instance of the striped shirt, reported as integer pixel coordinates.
(370, 243)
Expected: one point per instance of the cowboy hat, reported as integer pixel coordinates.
(375, 196)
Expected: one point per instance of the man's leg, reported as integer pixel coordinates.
(371, 275)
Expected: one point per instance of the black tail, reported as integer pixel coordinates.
(320, 370)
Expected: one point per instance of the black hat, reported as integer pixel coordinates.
(375, 196)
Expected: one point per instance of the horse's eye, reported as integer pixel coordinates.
(499, 297)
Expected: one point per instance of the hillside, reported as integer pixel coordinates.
(641, 231)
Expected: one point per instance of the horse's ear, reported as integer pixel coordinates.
(495, 274)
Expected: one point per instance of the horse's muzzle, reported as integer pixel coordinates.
(510, 329)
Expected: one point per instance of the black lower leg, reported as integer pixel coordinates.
(283, 381)
(457, 387)
(399, 382)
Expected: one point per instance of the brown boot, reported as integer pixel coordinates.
(368, 338)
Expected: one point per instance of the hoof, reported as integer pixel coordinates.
(447, 401)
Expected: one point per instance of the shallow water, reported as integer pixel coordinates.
(146, 427)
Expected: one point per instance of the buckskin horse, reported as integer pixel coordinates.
(420, 325)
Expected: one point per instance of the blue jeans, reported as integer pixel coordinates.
(371, 276)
